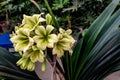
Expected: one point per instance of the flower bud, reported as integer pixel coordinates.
(31, 66)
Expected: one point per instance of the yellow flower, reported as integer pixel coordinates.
(21, 39)
(31, 66)
(66, 34)
(26, 63)
(31, 22)
(22, 63)
(61, 45)
(49, 20)
(43, 38)
(34, 54)
(64, 43)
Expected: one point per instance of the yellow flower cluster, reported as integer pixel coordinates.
(34, 35)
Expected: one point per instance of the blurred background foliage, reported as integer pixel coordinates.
(69, 13)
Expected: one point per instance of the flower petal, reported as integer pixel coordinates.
(20, 46)
(22, 63)
(49, 20)
(27, 53)
(58, 51)
(53, 38)
(41, 43)
(40, 30)
(61, 30)
(28, 20)
(41, 19)
(36, 17)
(23, 32)
(31, 66)
(69, 31)
(49, 29)
(37, 56)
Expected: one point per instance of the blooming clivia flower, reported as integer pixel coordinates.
(22, 39)
(44, 38)
(34, 54)
(31, 22)
(64, 43)
(35, 35)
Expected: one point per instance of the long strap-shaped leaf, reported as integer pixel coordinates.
(97, 26)
(104, 39)
(107, 64)
(106, 47)
(111, 30)
(113, 68)
(7, 58)
(94, 31)
(100, 67)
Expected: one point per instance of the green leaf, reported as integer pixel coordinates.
(98, 50)
(58, 4)
(9, 69)
(93, 32)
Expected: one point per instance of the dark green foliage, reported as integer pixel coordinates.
(58, 4)
(9, 70)
(98, 52)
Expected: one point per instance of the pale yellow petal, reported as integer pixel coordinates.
(41, 57)
(53, 38)
(50, 45)
(36, 17)
(34, 56)
(61, 30)
(70, 51)
(23, 32)
(20, 46)
(31, 66)
(49, 29)
(69, 31)
(28, 20)
(37, 56)
(27, 26)
(40, 30)
(41, 19)
(58, 51)
(22, 63)
(41, 43)
(49, 20)
(27, 53)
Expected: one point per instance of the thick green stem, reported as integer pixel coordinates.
(43, 68)
(51, 13)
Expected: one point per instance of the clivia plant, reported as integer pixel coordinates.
(48, 52)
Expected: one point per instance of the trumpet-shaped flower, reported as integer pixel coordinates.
(26, 63)
(34, 54)
(61, 45)
(22, 62)
(66, 34)
(21, 40)
(31, 22)
(43, 38)
(31, 66)
(64, 43)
